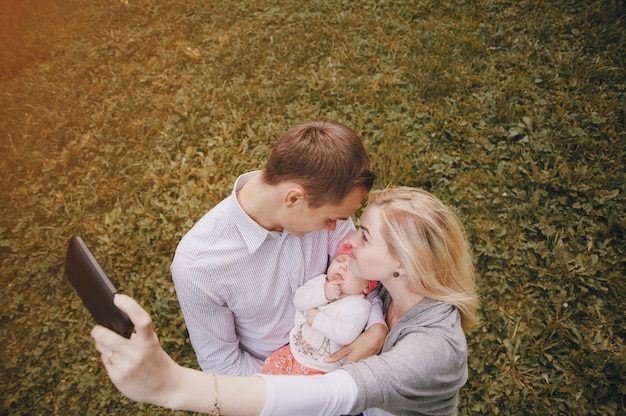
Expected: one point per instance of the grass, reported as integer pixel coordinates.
(125, 121)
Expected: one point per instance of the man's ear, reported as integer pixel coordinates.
(293, 196)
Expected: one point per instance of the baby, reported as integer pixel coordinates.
(331, 311)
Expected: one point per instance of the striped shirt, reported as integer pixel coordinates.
(235, 282)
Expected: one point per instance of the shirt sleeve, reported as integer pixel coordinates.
(211, 325)
(329, 394)
(344, 326)
(376, 311)
(311, 294)
(421, 371)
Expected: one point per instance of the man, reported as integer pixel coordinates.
(236, 270)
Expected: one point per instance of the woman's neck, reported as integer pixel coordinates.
(402, 300)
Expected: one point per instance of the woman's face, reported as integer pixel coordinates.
(371, 258)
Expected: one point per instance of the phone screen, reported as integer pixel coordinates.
(94, 288)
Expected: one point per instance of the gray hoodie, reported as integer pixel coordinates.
(422, 366)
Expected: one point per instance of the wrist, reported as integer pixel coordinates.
(187, 389)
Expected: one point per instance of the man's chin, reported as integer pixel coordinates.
(296, 233)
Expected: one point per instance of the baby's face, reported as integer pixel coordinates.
(339, 270)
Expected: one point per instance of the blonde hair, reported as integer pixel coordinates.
(430, 242)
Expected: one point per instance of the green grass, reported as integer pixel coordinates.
(125, 121)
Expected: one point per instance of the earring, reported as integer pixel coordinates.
(396, 274)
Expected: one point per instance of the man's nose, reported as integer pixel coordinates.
(352, 239)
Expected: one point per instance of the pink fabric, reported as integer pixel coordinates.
(282, 362)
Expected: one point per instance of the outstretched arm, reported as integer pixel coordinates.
(142, 371)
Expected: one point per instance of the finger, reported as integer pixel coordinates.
(97, 333)
(338, 355)
(107, 340)
(138, 316)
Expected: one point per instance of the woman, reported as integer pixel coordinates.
(416, 247)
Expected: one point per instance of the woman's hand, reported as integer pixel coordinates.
(142, 371)
(369, 343)
(138, 366)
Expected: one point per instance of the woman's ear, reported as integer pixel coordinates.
(400, 270)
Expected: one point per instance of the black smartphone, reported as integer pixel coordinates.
(94, 287)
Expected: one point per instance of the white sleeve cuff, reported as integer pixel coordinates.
(329, 394)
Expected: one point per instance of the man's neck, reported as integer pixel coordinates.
(261, 202)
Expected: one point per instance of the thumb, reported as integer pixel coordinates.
(138, 316)
(338, 355)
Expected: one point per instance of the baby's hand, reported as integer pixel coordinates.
(332, 290)
(310, 315)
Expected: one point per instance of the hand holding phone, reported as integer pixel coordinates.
(94, 288)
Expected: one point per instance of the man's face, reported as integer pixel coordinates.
(306, 219)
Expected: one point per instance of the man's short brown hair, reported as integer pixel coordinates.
(326, 158)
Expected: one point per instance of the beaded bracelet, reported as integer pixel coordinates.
(216, 404)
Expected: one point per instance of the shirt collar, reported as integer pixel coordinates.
(254, 235)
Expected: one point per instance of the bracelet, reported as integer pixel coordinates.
(216, 404)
